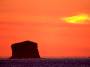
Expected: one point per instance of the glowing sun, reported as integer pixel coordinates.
(77, 19)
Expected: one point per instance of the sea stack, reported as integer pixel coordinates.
(25, 49)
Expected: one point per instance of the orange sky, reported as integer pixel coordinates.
(38, 20)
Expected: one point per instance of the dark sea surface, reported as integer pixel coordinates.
(46, 62)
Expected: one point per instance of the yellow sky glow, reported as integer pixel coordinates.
(78, 19)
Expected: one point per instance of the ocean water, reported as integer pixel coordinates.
(46, 62)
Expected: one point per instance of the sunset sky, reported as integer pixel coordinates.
(45, 22)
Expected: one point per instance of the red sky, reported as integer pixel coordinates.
(39, 21)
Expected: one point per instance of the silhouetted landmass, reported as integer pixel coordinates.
(25, 49)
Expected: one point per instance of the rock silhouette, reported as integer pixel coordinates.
(25, 49)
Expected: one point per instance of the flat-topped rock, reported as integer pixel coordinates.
(25, 49)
